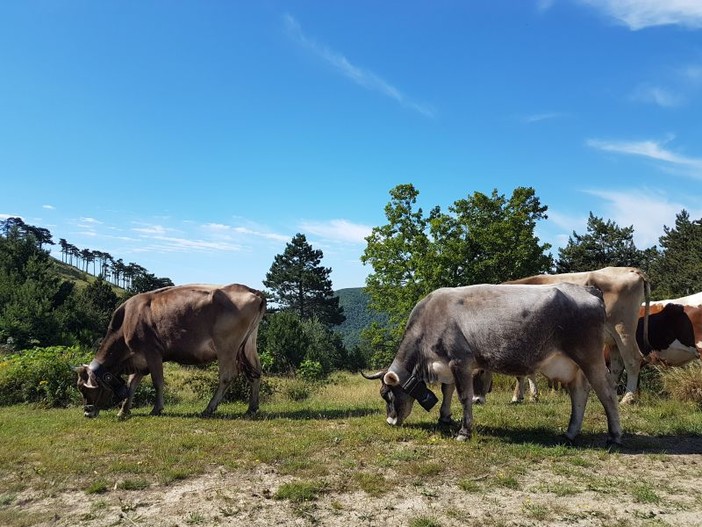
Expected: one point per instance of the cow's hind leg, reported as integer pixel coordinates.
(597, 375)
(579, 389)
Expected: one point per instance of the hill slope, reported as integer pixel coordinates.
(355, 302)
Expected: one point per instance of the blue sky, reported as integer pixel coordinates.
(197, 138)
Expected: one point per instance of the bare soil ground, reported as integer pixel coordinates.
(541, 497)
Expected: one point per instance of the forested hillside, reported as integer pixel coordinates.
(355, 301)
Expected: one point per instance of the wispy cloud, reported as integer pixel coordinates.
(647, 210)
(538, 117)
(363, 77)
(337, 230)
(656, 95)
(640, 14)
(48, 207)
(654, 150)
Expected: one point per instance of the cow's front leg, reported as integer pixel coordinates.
(464, 386)
(445, 410)
(133, 382)
(253, 397)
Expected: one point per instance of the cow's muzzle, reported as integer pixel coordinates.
(90, 410)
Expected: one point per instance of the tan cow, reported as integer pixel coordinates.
(189, 324)
(624, 289)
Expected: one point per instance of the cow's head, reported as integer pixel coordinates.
(95, 395)
(398, 402)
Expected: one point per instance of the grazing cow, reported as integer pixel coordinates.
(693, 308)
(670, 334)
(624, 289)
(189, 324)
(513, 329)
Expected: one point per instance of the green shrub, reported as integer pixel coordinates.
(310, 370)
(42, 376)
(298, 390)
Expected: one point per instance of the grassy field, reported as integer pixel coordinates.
(334, 446)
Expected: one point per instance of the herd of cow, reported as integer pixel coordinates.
(579, 329)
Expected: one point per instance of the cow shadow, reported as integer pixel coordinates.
(633, 444)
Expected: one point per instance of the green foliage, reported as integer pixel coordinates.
(299, 283)
(605, 244)
(42, 376)
(678, 270)
(310, 370)
(286, 341)
(483, 239)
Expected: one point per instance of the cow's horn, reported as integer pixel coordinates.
(378, 375)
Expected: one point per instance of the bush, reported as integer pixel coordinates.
(200, 382)
(684, 383)
(310, 370)
(42, 376)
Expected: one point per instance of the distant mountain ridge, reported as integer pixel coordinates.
(359, 315)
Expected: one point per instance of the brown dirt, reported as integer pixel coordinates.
(248, 498)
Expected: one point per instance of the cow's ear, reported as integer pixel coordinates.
(391, 379)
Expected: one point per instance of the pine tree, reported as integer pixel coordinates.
(299, 283)
(605, 244)
(677, 271)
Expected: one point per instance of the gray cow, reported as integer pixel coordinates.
(557, 330)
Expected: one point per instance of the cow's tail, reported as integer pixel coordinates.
(250, 366)
(647, 304)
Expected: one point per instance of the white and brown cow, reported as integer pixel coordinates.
(189, 324)
(623, 289)
(555, 329)
(672, 335)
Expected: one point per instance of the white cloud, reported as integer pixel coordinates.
(338, 230)
(648, 211)
(544, 5)
(657, 95)
(653, 150)
(151, 230)
(640, 14)
(48, 207)
(538, 117)
(365, 78)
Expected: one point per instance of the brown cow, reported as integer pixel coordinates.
(624, 289)
(189, 324)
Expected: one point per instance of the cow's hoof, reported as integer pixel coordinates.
(614, 443)
(516, 401)
(206, 413)
(446, 421)
(123, 417)
(462, 437)
(156, 412)
(628, 398)
(567, 441)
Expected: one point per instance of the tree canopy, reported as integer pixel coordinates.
(298, 282)
(604, 244)
(482, 239)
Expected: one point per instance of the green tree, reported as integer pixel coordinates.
(144, 281)
(299, 283)
(482, 239)
(678, 269)
(87, 313)
(605, 244)
(283, 342)
(30, 293)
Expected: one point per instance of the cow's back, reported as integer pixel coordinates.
(186, 323)
(507, 328)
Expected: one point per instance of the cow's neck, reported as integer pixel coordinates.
(405, 365)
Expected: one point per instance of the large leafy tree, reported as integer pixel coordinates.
(604, 244)
(298, 282)
(482, 239)
(678, 269)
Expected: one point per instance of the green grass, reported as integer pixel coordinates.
(336, 441)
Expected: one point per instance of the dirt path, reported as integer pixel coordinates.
(540, 497)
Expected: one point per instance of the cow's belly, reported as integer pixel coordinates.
(442, 372)
(558, 367)
(677, 354)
